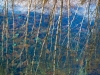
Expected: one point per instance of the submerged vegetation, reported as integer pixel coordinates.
(2, 71)
(35, 43)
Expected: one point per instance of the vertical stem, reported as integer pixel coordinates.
(68, 35)
(59, 31)
(34, 16)
(55, 47)
(68, 43)
(3, 30)
(87, 40)
(38, 33)
(45, 39)
(6, 28)
(32, 31)
(13, 26)
(26, 32)
(54, 8)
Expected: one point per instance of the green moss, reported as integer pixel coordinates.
(2, 71)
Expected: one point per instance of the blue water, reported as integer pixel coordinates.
(20, 19)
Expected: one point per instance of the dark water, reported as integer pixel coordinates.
(20, 21)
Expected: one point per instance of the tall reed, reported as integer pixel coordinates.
(38, 31)
(13, 29)
(26, 32)
(56, 40)
(46, 37)
(68, 34)
(6, 31)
